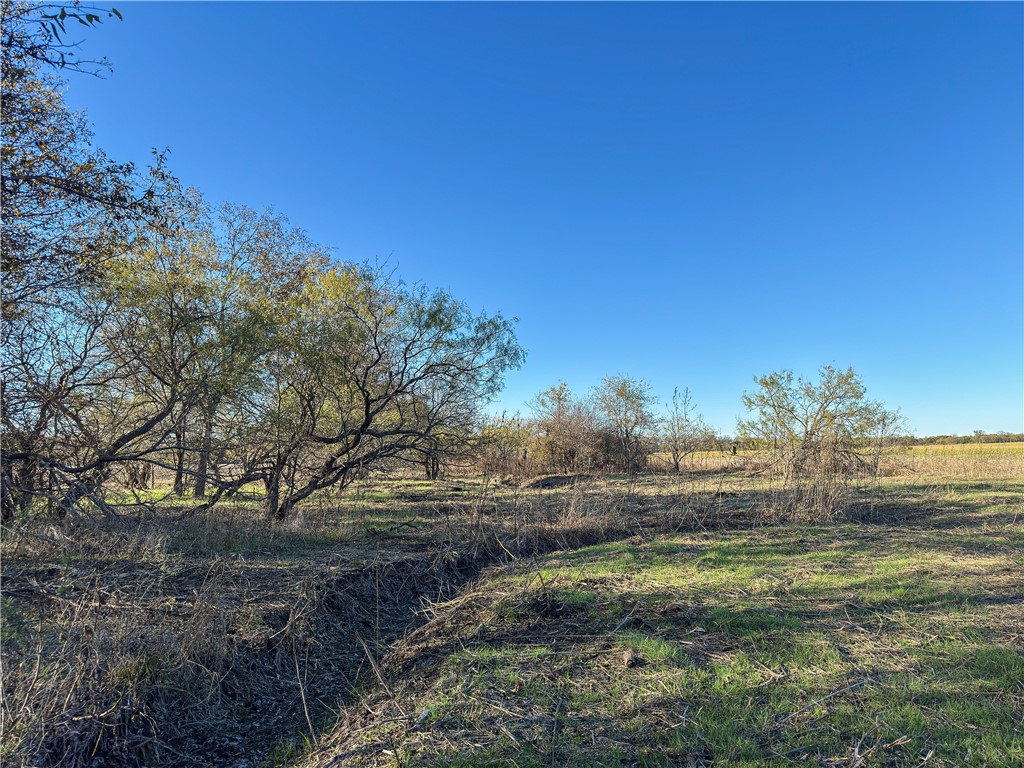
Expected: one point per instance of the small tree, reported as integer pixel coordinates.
(504, 445)
(828, 426)
(823, 431)
(683, 429)
(567, 427)
(626, 406)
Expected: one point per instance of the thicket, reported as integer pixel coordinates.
(617, 427)
(144, 329)
(817, 435)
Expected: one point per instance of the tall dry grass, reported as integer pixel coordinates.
(970, 461)
(175, 641)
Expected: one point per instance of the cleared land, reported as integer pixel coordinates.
(883, 644)
(663, 621)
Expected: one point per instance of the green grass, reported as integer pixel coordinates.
(833, 645)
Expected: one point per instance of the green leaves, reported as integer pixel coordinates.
(54, 24)
(823, 425)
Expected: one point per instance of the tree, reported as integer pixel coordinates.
(827, 428)
(67, 207)
(626, 406)
(569, 440)
(365, 371)
(683, 428)
(262, 264)
(68, 211)
(104, 372)
(503, 446)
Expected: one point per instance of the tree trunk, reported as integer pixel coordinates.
(21, 488)
(204, 454)
(432, 467)
(272, 503)
(179, 461)
(6, 502)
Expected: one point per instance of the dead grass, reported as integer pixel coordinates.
(165, 639)
(966, 462)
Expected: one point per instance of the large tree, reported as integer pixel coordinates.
(365, 371)
(262, 264)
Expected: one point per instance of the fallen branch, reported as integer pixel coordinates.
(823, 699)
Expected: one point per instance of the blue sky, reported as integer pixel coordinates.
(691, 194)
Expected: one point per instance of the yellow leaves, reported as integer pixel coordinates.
(340, 284)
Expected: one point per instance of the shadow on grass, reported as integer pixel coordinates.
(544, 681)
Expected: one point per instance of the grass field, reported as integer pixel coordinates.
(992, 460)
(839, 645)
(661, 620)
(963, 461)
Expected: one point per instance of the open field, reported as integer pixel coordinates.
(659, 620)
(282, 490)
(966, 461)
(839, 645)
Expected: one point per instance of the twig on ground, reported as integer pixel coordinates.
(823, 699)
(302, 693)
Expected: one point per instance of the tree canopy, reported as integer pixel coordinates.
(145, 329)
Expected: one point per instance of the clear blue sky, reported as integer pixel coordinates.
(687, 193)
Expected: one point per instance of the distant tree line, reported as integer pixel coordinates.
(978, 436)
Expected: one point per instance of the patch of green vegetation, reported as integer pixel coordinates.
(139, 669)
(287, 752)
(141, 496)
(383, 520)
(749, 622)
(15, 627)
(816, 644)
